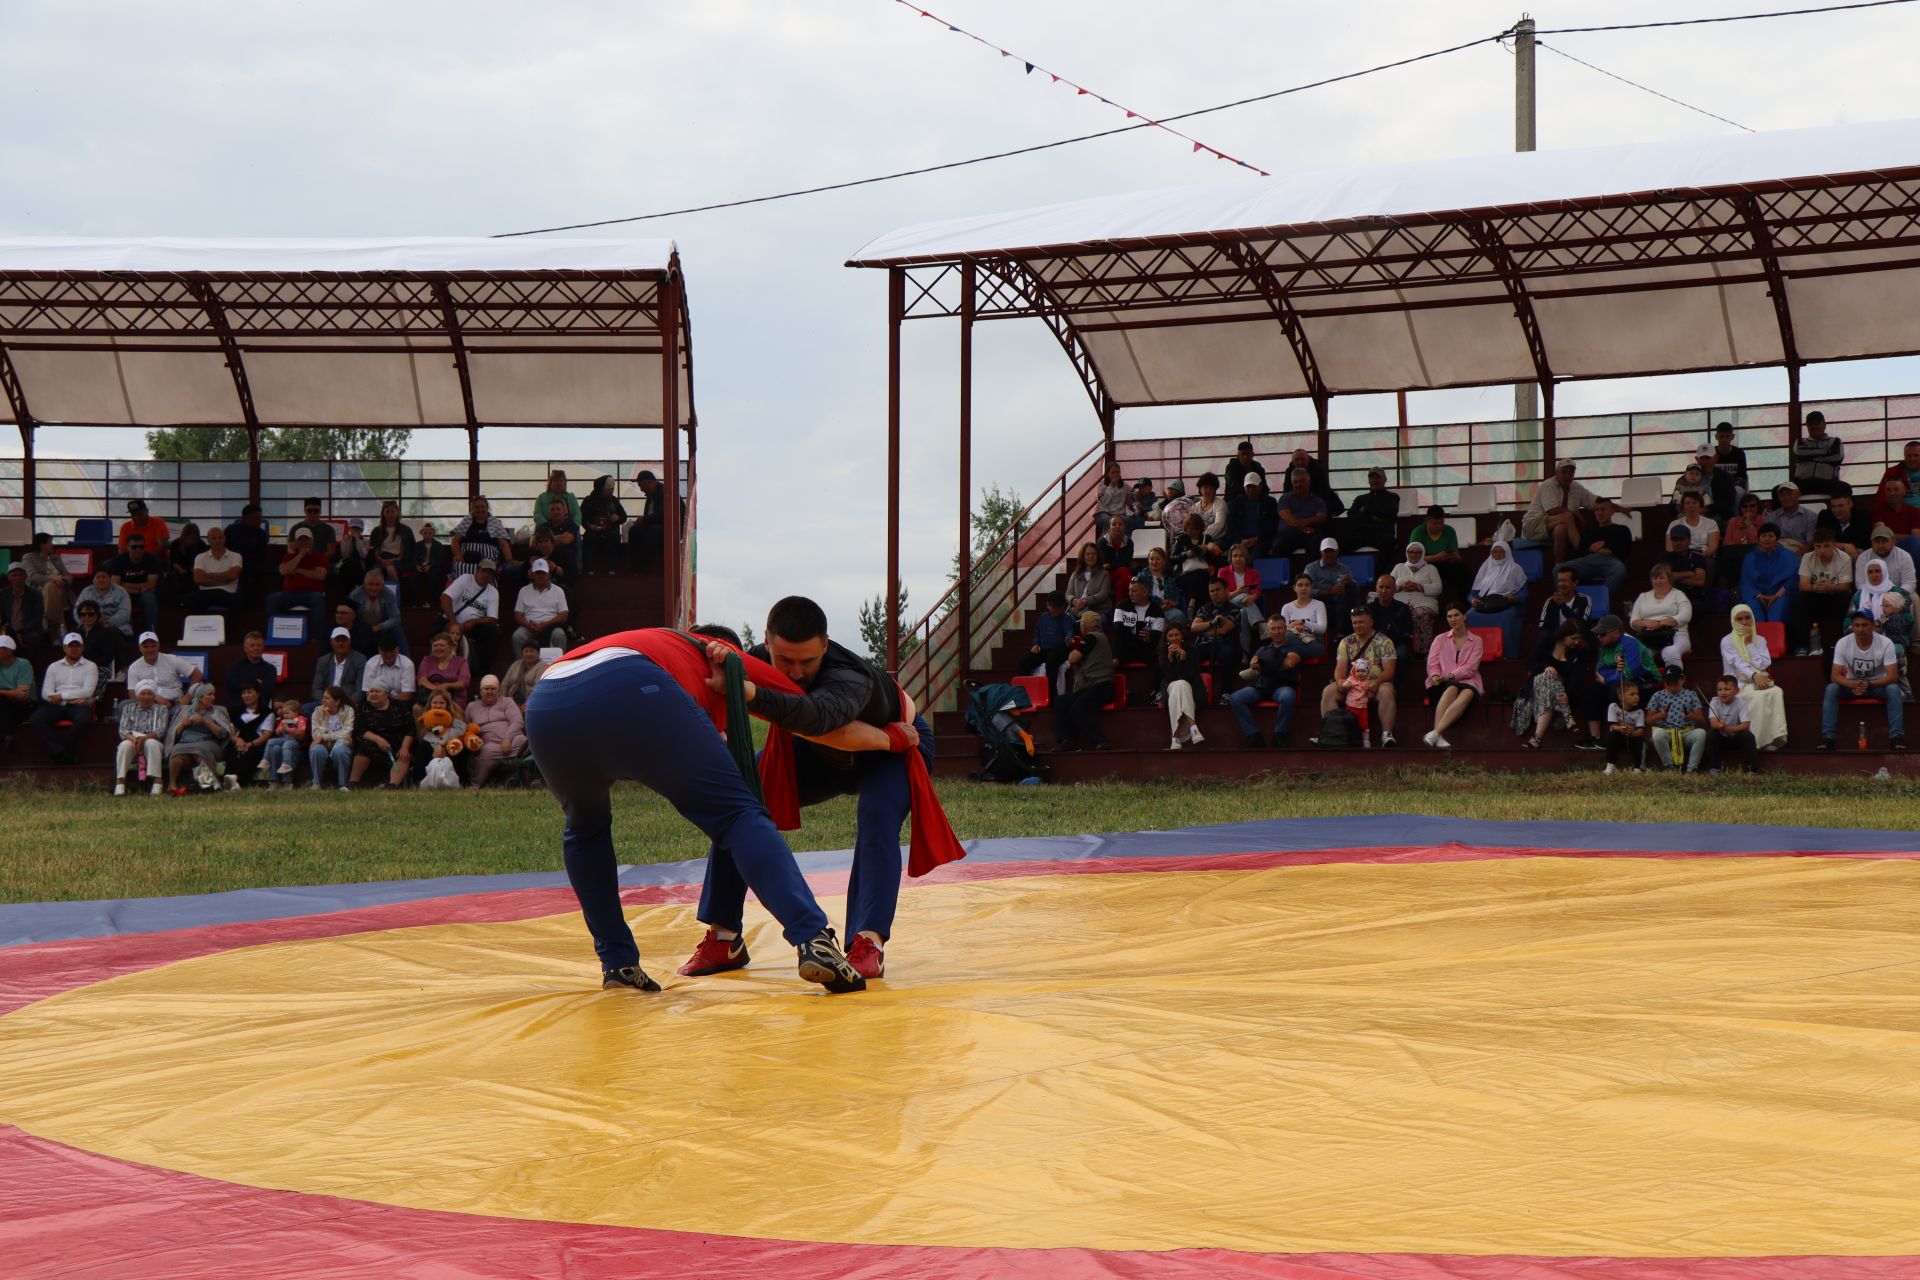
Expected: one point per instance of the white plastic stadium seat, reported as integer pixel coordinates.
(1466, 530)
(552, 653)
(203, 629)
(16, 532)
(1474, 500)
(1409, 502)
(1148, 539)
(1634, 522)
(1642, 491)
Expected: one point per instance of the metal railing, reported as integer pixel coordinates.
(1433, 461)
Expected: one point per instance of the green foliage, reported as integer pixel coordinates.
(996, 514)
(873, 627)
(303, 444)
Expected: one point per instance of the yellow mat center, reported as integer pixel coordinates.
(1537, 1056)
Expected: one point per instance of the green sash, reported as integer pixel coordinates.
(739, 721)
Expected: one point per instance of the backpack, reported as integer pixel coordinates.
(1339, 728)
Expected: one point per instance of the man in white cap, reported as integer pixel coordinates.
(66, 699)
(1333, 586)
(343, 667)
(540, 611)
(172, 675)
(16, 691)
(143, 732)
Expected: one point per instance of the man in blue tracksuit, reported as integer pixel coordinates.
(840, 688)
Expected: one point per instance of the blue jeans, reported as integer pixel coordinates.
(1608, 569)
(626, 719)
(1887, 693)
(1243, 702)
(147, 605)
(314, 602)
(879, 778)
(341, 753)
(281, 751)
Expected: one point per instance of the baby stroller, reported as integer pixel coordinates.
(1006, 748)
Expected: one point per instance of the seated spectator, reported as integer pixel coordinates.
(434, 736)
(649, 529)
(1620, 657)
(1300, 519)
(390, 546)
(526, 670)
(1495, 598)
(601, 516)
(16, 690)
(1364, 643)
(323, 535)
(1881, 546)
(1089, 586)
(1163, 588)
(1769, 577)
(1729, 458)
(1890, 609)
(1182, 686)
(1416, 582)
(140, 521)
(1141, 502)
(1692, 481)
(47, 577)
(1453, 676)
(66, 699)
(1560, 513)
(103, 646)
(144, 721)
(480, 539)
(1604, 550)
(252, 730)
(250, 540)
(1196, 558)
(1090, 688)
(353, 555)
(1273, 675)
(1729, 729)
(139, 575)
(431, 565)
(115, 606)
(216, 577)
(1742, 535)
(1851, 524)
(287, 740)
(1317, 480)
(1676, 722)
(390, 671)
(23, 611)
(336, 741)
(1137, 626)
(1215, 513)
(1305, 621)
(502, 730)
(1718, 492)
(1566, 604)
(1394, 619)
(1441, 546)
(1893, 511)
(471, 606)
(383, 737)
(540, 611)
(341, 665)
(376, 613)
(198, 737)
(1563, 684)
(1170, 512)
(303, 580)
(443, 671)
(1110, 498)
(565, 531)
(1864, 666)
(1794, 521)
(171, 674)
(1239, 466)
(1333, 584)
(1817, 459)
(251, 667)
(181, 553)
(1826, 584)
(1215, 635)
(1053, 633)
(1745, 657)
(1627, 731)
(1689, 569)
(1373, 519)
(1243, 592)
(1703, 535)
(1662, 616)
(516, 576)
(1907, 470)
(1116, 546)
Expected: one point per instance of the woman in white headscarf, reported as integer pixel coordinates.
(1891, 610)
(1744, 656)
(1495, 597)
(1416, 584)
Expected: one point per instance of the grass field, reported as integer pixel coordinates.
(75, 845)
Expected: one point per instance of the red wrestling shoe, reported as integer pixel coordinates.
(715, 956)
(866, 957)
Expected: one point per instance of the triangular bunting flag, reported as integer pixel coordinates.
(1029, 68)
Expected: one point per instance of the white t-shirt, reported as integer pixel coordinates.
(1734, 712)
(470, 600)
(170, 673)
(1838, 569)
(1697, 533)
(211, 563)
(1864, 664)
(540, 607)
(1617, 714)
(1313, 613)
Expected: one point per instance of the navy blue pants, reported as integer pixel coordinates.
(879, 778)
(627, 720)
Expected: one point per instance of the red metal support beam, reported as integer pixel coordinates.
(1767, 251)
(896, 314)
(1501, 259)
(23, 418)
(209, 300)
(670, 434)
(450, 322)
(965, 618)
(1044, 304)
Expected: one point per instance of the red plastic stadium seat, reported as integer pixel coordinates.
(1037, 692)
(1494, 641)
(1775, 634)
(1122, 579)
(1119, 693)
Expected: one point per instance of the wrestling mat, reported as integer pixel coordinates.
(1394, 1047)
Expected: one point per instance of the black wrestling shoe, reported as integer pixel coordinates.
(631, 976)
(822, 961)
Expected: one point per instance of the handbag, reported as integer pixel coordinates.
(1493, 604)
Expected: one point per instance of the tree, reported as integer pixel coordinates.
(749, 638)
(997, 514)
(873, 627)
(292, 444)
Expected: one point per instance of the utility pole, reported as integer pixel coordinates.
(1525, 406)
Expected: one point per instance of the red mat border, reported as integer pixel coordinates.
(66, 1212)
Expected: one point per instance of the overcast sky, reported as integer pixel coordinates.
(471, 118)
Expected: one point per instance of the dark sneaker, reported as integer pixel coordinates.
(1897, 743)
(1588, 744)
(715, 955)
(867, 957)
(1253, 741)
(822, 961)
(1826, 744)
(631, 976)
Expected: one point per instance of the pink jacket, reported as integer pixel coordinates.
(500, 725)
(1460, 665)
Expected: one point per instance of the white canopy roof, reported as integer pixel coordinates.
(411, 332)
(1602, 262)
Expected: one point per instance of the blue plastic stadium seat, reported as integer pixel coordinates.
(93, 531)
(1533, 560)
(1602, 600)
(1360, 565)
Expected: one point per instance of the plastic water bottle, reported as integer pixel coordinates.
(1816, 644)
(143, 766)
(1863, 735)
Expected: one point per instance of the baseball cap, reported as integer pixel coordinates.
(1252, 481)
(1377, 471)
(6, 642)
(339, 633)
(146, 636)
(1785, 485)
(388, 640)
(1674, 671)
(539, 566)
(72, 637)
(17, 567)
(1329, 544)
(1679, 531)
(1881, 531)
(356, 523)
(138, 504)
(1861, 613)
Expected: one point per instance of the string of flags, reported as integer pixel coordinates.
(1082, 91)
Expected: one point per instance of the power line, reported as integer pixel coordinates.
(1641, 87)
(1732, 17)
(1003, 155)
